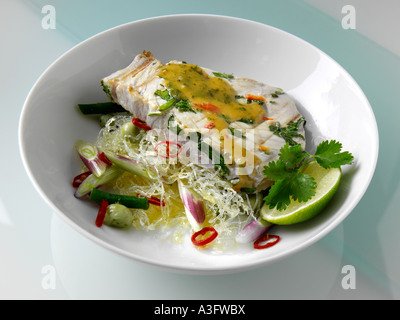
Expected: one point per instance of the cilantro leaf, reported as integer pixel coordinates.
(328, 155)
(302, 187)
(291, 184)
(287, 172)
(276, 170)
(292, 156)
(279, 195)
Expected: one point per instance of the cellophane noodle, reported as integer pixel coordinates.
(226, 210)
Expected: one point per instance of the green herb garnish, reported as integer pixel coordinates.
(184, 105)
(163, 94)
(181, 105)
(289, 132)
(173, 128)
(287, 172)
(236, 133)
(247, 120)
(226, 118)
(223, 75)
(106, 89)
(216, 158)
(167, 105)
(277, 93)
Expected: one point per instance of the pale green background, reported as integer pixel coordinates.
(32, 238)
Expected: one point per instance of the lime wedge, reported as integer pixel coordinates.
(327, 184)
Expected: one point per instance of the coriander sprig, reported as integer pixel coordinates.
(287, 172)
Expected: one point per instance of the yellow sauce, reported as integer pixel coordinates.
(211, 95)
(171, 215)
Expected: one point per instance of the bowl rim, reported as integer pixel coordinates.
(170, 266)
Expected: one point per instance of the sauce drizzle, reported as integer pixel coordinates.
(211, 95)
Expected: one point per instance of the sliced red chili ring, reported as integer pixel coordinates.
(140, 124)
(266, 241)
(101, 214)
(197, 237)
(168, 148)
(76, 182)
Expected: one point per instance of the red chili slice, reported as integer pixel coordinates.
(101, 214)
(266, 118)
(208, 107)
(104, 158)
(203, 241)
(76, 182)
(140, 124)
(156, 201)
(255, 97)
(153, 200)
(265, 241)
(209, 125)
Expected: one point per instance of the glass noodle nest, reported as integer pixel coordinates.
(226, 210)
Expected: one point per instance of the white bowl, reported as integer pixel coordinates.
(331, 101)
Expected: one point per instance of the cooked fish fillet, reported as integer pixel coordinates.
(237, 116)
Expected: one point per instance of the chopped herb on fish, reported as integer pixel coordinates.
(173, 126)
(216, 157)
(184, 105)
(290, 132)
(247, 120)
(106, 89)
(236, 133)
(163, 94)
(223, 75)
(167, 105)
(277, 93)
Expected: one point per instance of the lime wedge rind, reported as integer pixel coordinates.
(327, 180)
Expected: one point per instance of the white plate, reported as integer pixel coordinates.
(331, 101)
